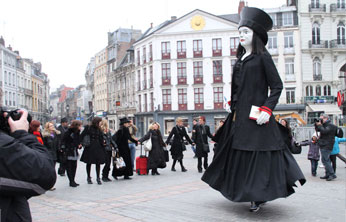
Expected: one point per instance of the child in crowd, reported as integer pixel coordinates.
(335, 151)
(313, 154)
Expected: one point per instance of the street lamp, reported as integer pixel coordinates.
(67, 111)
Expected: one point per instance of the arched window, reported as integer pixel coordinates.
(317, 76)
(309, 91)
(341, 33)
(316, 34)
(318, 90)
(327, 90)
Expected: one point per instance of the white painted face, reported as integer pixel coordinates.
(245, 36)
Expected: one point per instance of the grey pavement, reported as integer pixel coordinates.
(178, 196)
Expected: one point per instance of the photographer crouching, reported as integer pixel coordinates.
(326, 142)
(26, 168)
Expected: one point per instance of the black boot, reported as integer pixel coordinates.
(89, 180)
(173, 165)
(98, 181)
(183, 169)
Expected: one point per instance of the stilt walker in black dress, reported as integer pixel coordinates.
(252, 162)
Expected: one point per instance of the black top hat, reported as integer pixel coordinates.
(258, 20)
(124, 120)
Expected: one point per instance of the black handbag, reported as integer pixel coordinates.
(295, 148)
(86, 141)
(166, 155)
(206, 148)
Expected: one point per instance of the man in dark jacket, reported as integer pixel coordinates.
(326, 142)
(61, 153)
(26, 170)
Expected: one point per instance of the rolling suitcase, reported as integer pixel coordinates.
(142, 164)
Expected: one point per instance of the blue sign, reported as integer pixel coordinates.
(104, 114)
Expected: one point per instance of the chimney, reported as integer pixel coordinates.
(173, 18)
(2, 41)
(151, 25)
(241, 6)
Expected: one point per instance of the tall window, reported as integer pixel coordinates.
(290, 95)
(5, 77)
(316, 33)
(10, 98)
(287, 18)
(151, 101)
(272, 40)
(150, 52)
(309, 91)
(289, 66)
(151, 77)
(182, 96)
(217, 47)
(166, 50)
(341, 4)
(144, 78)
(327, 90)
(166, 70)
(274, 19)
(217, 70)
(218, 97)
(181, 66)
(6, 98)
(317, 75)
(197, 48)
(139, 80)
(181, 46)
(288, 37)
(144, 54)
(140, 103)
(199, 100)
(138, 58)
(197, 69)
(166, 99)
(145, 103)
(9, 79)
(234, 46)
(318, 90)
(341, 39)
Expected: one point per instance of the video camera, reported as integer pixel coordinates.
(14, 114)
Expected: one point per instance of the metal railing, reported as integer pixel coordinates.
(318, 44)
(337, 43)
(317, 7)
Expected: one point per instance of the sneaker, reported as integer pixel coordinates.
(254, 207)
(324, 177)
(331, 177)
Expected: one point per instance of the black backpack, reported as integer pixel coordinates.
(339, 133)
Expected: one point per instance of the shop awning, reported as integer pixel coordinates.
(330, 109)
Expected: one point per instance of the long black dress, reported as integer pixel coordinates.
(252, 162)
(156, 157)
(121, 137)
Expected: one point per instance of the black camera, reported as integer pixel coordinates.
(14, 114)
(317, 120)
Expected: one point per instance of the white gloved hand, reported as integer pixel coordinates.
(227, 107)
(263, 118)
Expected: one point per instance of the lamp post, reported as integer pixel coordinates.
(67, 111)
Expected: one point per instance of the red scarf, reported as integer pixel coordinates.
(38, 136)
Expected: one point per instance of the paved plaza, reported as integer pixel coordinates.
(178, 196)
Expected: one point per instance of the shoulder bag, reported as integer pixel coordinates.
(119, 162)
(205, 146)
(147, 144)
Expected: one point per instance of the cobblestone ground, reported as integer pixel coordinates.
(178, 196)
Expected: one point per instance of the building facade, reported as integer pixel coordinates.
(100, 83)
(323, 47)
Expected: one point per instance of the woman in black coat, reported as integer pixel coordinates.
(121, 138)
(71, 143)
(178, 146)
(109, 146)
(156, 157)
(252, 162)
(200, 137)
(94, 153)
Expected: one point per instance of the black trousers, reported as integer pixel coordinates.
(205, 163)
(333, 160)
(107, 166)
(71, 168)
(63, 162)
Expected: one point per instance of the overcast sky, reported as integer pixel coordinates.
(63, 35)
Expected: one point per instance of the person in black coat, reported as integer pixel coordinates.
(24, 162)
(61, 158)
(71, 143)
(109, 146)
(178, 146)
(94, 153)
(121, 137)
(156, 158)
(252, 162)
(326, 142)
(200, 137)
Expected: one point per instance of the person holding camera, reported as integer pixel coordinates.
(326, 141)
(26, 167)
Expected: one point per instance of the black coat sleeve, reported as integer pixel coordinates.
(170, 135)
(23, 158)
(186, 136)
(207, 129)
(274, 81)
(145, 137)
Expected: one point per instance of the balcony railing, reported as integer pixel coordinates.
(217, 52)
(181, 54)
(166, 80)
(217, 78)
(199, 106)
(338, 43)
(319, 99)
(338, 7)
(167, 107)
(182, 106)
(317, 7)
(144, 84)
(218, 105)
(198, 79)
(151, 83)
(233, 51)
(197, 53)
(181, 80)
(317, 77)
(290, 77)
(166, 54)
(320, 44)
